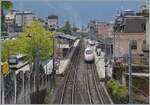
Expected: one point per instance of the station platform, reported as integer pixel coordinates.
(65, 62)
(100, 64)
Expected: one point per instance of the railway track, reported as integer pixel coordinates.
(83, 88)
(70, 82)
(93, 91)
(101, 91)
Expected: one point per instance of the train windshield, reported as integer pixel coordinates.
(89, 52)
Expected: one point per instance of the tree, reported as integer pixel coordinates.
(6, 5)
(74, 29)
(34, 39)
(66, 28)
(37, 39)
(5, 49)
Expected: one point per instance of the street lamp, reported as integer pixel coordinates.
(130, 72)
(114, 31)
(36, 64)
(53, 69)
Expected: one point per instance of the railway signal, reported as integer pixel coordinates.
(5, 69)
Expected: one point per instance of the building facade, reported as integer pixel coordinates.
(104, 29)
(144, 11)
(100, 29)
(16, 20)
(64, 45)
(129, 27)
(52, 22)
(92, 26)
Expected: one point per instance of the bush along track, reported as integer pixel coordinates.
(118, 92)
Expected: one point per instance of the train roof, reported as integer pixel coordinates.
(17, 56)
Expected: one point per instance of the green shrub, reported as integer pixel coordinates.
(121, 91)
(109, 83)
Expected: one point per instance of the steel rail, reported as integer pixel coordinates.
(65, 84)
(88, 87)
(74, 80)
(70, 69)
(103, 94)
(96, 85)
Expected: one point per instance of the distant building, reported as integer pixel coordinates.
(22, 19)
(100, 28)
(52, 22)
(9, 20)
(15, 20)
(128, 12)
(129, 27)
(104, 29)
(92, 26)
(64, 45)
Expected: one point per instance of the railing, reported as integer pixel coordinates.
(137, 59)
(26, 84)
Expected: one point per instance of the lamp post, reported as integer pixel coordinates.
(36, 65)
(14, 79)
(53, 70)
(105, 58)
(114, 32)
(130, 73)
(53, 55)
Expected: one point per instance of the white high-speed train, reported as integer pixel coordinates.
(89, 55)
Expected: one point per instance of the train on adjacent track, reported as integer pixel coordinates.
(17, 61)
(89, 55)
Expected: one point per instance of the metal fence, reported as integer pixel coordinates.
(26, 84)
(136, 59)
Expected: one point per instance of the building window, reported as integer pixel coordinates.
(143, 26)
(134, 44)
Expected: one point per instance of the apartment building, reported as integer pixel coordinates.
(52, 22)
(16, 20)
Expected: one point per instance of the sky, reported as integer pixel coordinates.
(78, 12)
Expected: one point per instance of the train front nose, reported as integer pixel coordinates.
(89, 58)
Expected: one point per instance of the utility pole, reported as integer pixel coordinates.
(23, 88)
(53, 72)
(3, 90)
(130, 73)
(15, 89)
(105, 59)
(114, 45)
